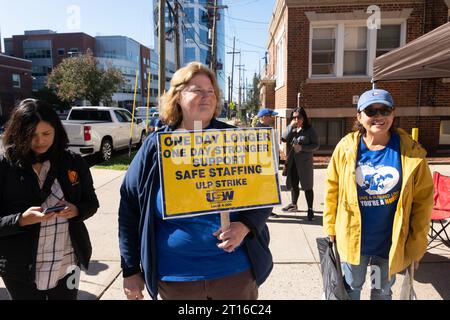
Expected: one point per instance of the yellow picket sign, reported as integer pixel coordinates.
(214, 171)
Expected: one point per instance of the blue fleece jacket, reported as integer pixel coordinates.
(137, 223)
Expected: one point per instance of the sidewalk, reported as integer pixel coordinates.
(296, 274)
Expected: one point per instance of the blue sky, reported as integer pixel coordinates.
(133, 18)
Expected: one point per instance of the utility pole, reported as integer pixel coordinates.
(245, 89)
(213, 35)
(229, 98)
(240, 87)
(259, 68)
(213, 62)
(177, 33)
(232, 67)
(241, 68)
(162, 49)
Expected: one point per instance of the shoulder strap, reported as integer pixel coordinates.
(47, 187)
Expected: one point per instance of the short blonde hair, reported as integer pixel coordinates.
(170, 110)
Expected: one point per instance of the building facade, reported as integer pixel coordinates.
(46, 49)
(15, 83)
(195, 23)
(321, 54)
(124, 54)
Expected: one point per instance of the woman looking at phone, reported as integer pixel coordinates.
(40, 251)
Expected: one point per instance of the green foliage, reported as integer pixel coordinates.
(80, 78)
(49, 95)
(120, 162)
(253, 102)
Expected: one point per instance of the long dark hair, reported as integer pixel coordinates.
(301, 111)
(21, 128)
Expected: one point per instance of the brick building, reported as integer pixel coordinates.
(46, 49)
(15, 83)
(323, 50)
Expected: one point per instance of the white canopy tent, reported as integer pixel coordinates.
(425, 57)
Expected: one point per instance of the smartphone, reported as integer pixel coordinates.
(53, 209)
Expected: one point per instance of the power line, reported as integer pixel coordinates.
(248, 44)
(248, 21)
(251, 44)
(242, 4)
(193, 38)
(193, 29)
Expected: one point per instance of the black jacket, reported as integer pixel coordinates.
(19, 190)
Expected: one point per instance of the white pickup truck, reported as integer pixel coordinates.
(101, 129)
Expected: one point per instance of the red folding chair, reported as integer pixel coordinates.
(441, 208)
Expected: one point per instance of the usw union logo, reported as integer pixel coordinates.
(219, 195)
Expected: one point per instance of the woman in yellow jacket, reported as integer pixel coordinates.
(378, 199)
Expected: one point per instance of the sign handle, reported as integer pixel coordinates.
(225, 220)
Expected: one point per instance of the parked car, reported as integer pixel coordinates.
(141, 112)
(151, 122)
(101, 130)
(153, 117)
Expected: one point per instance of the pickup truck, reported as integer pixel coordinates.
(101, 130)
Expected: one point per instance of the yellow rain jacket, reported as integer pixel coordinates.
(342, 216)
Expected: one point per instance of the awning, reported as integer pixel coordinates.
(424, 57)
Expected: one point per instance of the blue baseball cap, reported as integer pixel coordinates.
(266, 112)
(375, 96)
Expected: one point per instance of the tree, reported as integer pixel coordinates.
(49, 95)
(253, 102)
(80, 78)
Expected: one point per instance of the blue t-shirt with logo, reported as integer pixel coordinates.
(379, 180)
(187, 249)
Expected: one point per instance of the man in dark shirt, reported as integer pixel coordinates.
(265, 118)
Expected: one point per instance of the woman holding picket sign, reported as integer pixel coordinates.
(189, 258)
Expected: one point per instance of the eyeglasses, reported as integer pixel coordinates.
(371, 112)
(196, 91)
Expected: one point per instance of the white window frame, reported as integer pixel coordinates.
(444, 137)
(280, 74)
(402, 34)
(368, 55)
(339, 26)
(324, 26)
(16, 79)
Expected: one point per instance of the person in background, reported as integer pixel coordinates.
(265, 118)
(378, 198)
(39, 252)
(301, 140)
(189, 258)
